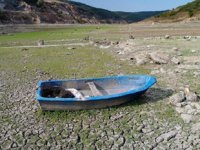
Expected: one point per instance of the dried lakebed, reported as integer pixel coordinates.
(135, 125)
(149, 123)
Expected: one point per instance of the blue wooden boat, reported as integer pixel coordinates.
(91, 93)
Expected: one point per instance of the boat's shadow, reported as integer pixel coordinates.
(151, 96)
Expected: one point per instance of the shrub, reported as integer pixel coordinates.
(40, 3)
(35, 2)
(191, 13)
(2, 15)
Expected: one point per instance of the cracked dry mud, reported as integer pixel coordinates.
(122, 128)
(148, 123)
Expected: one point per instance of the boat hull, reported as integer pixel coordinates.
(81, 105)
(115, 91)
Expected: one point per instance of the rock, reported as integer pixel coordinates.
(191, 111)
(162, 70)
(180, 110)
(2, 85)
(121, 52)
(104, 42)
(116, 117)
(168, 136)
(187, 118)
(139, 129)
(141, 59)
(196, 74)
(196, 105)
(155, 72)
(177, 98)
(131, 37)
(188, 107)
(175, 49)
(177, 70)
(190, 96)
(187, 37)
(71, 48)
(196, 127)
(167, 36)
(40, 43)
(159, 58)
(87, 38)
(14, 145)
(186, 90)
(3, 33)
(159, 139)
(104, 47)
(24, 49)
(115, 43)
(6, 144)
(176, 61)
(193, 51)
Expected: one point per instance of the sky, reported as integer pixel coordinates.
(135, 5)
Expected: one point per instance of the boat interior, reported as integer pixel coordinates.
(90, 87)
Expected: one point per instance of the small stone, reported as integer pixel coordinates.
(159, 139)
(178, 105)
(141, 59)
(116, 117)
(87, 38)
(179, 110)
(6, 144)
(116, 43)
(196, 127)
(193, 51)
(190, 96)
(196, 105)
(14, 145)
(24, 49)
(191, 112)
(186, 90)
(155, 72)
(2, 85)
(177, 98)
(175, 49)
(167, 36)
(121, 52)
(146, 130)
(131, 37)
(177, 70)
(187, 37)
(140, 127)
(187, 118)
(162, 70)
(159, 58)
(168, 136)
(40, 43)
(196, 74)
(188, 107)
(71, 48)
(176, 61)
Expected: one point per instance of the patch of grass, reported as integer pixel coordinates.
(188, 52)
(63, 63)
(60, 33)
(10, 59)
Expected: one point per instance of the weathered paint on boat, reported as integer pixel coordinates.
(115, 90)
